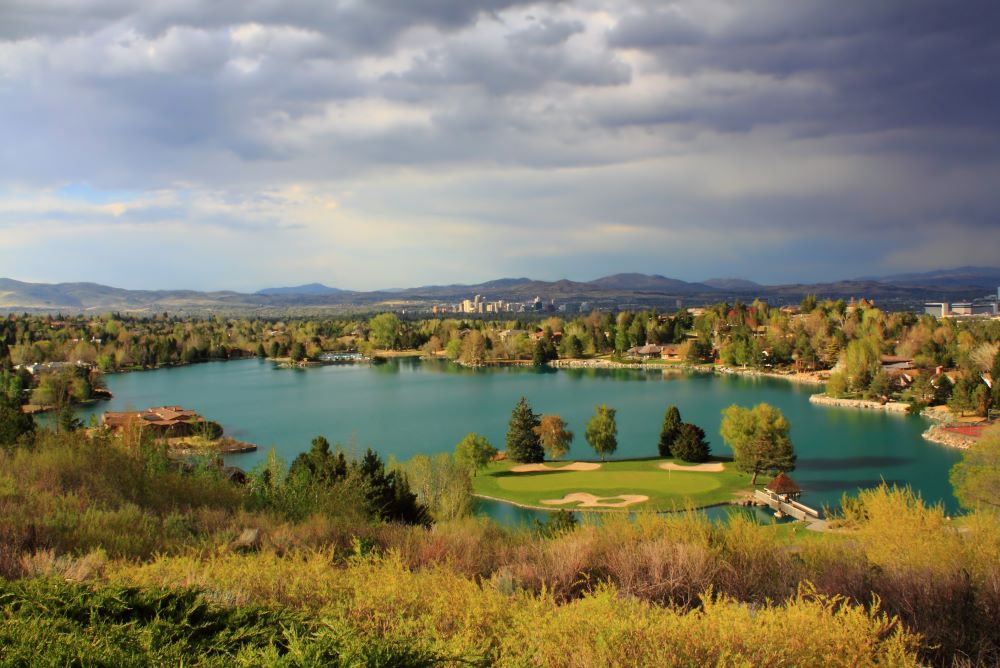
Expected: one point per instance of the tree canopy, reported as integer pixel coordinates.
(669, 430)
(554, 436)
(385, 330)
(602, 432)
(976, 478)
(759, 439)
(522, 442)
(690, 444)
(474, 451)
(13, 422)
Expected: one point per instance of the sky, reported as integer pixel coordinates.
(366, 144)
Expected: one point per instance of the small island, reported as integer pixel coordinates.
(684, 475)
(653, 484)
(182, 430)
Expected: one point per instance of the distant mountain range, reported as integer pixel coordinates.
(986, 277)
(628, 289)
(307, 289)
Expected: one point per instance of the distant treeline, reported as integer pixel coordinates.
(815, 336)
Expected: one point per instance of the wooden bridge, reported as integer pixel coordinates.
(785, 505)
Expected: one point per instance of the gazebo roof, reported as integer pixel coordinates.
(782, 484)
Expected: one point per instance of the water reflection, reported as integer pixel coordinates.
(516, 516)
(862, 462)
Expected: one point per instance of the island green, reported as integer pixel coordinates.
(666, 489)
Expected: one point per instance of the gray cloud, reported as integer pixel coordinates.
(754, 128)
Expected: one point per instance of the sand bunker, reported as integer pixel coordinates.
(575, 466)
(710, 467)
(586, 500)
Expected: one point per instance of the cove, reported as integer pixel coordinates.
(407, 406)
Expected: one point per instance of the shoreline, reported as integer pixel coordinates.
(552, 509)
(808, 378)
(860, 404)
(938, 433)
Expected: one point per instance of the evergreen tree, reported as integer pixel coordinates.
(669, 431)
(322, 465)
(690, 444)
(388, 493)
(523, 445)
(538, 355)
(14, 423)
(66, 420)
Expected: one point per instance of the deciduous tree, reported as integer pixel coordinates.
(976, 478)
(602, 432)
(385, 330)
(474, 452)
(759, 439)
(554, 436)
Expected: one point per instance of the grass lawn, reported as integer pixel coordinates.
(667, 490)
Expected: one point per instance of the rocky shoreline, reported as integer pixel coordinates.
(940, 435)
(808, 379)
(863, 404)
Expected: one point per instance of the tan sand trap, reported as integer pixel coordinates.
(710, 467)
(575, 466)
(590, 501)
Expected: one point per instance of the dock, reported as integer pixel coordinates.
(784, 505)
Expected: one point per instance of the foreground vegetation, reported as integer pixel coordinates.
(129, 561)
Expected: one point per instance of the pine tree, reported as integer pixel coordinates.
(13, 422)
(690, 444)
(522, 441)
(671, 426)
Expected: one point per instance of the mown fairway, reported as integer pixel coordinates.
(666, 490)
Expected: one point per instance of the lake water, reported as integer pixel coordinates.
(406, 406)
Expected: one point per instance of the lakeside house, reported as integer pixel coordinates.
(673, 352)
(646, 352)
(168, 421)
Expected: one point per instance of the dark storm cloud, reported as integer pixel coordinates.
(887, 64)
(513, 68)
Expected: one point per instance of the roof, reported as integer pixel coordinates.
(782, 484)
(161, 416)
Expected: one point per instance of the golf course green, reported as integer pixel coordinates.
(633, 485)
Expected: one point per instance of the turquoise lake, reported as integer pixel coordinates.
(406, 406)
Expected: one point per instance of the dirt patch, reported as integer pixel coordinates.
(709, 467)
(586, 500)
(575, 466)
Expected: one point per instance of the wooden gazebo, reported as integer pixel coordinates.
(784, 486)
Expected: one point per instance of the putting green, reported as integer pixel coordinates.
(666, 490)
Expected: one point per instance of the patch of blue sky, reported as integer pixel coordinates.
(87, 193)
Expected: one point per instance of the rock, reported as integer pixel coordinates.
(865, 404)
